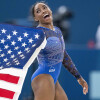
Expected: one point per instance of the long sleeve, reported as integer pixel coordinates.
(69, 65)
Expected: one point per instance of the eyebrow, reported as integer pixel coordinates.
(44, 5)
(37, 9)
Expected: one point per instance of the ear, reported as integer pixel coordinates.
(36, 19)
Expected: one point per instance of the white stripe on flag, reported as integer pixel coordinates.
(13, 71)
(21, 73)
(10, 86)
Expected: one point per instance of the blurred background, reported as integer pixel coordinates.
(79, 21)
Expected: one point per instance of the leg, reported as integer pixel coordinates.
(59, 92)
(43, 87)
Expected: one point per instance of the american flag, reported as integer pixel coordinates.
(19, 46)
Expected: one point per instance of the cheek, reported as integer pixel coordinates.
(50, 11)
(37, 16)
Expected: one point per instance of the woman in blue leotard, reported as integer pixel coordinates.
(45, 83)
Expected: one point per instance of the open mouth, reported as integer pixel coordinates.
(46, 16)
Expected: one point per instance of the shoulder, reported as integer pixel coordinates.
(58, 30)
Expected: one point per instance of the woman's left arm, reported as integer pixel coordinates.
(69, 65)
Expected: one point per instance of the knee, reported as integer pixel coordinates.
(60, 93)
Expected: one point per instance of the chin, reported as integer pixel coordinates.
(48, 21)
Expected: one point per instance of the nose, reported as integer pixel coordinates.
(43, 11)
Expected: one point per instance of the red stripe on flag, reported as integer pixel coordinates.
(9, 78)
(6, 93)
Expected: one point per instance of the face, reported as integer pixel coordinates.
(42, 13)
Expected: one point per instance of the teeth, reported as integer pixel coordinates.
(45, 15)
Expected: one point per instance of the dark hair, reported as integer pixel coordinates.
(33, 6)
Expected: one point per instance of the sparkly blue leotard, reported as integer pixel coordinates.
(50, 58)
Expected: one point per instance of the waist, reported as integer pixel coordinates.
(44, 64)
(48, 63)
(52, 68)
(50, 60)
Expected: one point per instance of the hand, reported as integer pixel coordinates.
(84, 84)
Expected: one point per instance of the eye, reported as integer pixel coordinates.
(38, 11)
(44, 7)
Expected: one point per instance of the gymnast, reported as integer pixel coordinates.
(44, 80)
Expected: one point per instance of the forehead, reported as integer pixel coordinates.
(39, 5)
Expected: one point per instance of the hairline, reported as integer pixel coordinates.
(33, 6)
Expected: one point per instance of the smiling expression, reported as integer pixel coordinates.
(42, 13)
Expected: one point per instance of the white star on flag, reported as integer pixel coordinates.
(8, 63)
(25, 34)
(2, 55)
(12, 56)
(20, 39)
(26, 49)
(3, 31)
(9, 36)
(33, 45)
(24, 44)
(36, 36)
(0, 50)
(2, 41)
(30, 40)
(5, 60)
(6, 46)
(9, 52)
(16, 48)
(22, 55)
(13, 43)
(17, 63)
(1, 67)
(14, 32)
(15, 59)
(19, 52)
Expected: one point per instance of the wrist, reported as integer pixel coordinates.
(80, 79)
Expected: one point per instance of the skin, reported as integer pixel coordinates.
(39, 11)
(43, 85)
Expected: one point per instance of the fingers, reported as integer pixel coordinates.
(84, 84)
(85, 89)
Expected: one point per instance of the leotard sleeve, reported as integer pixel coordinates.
(70, 66)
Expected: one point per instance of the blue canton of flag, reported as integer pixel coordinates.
(18, 45)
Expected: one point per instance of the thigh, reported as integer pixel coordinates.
(43, 87)
(59, 92)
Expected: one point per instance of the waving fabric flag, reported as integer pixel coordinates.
(19, 46)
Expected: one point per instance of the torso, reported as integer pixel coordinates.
(53, 52)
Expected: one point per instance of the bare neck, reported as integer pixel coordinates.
(50, 26)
